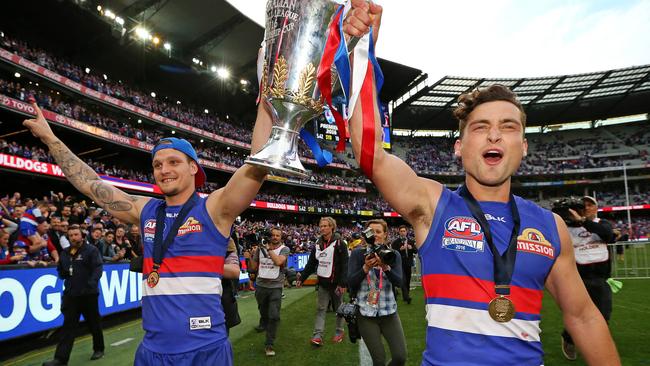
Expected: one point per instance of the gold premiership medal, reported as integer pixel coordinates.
(152, 279)
(501, 309)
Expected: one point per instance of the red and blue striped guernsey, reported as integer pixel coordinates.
(183, 311)
(458, 280)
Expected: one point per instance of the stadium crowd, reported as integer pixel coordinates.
(427, 156)
(548, 153)
(159, 105)
(51, 215)
(40, 154)
(120, 90)
(88, 113)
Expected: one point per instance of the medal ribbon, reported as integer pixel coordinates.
(381, 279)
(503, 264)
(160, 246)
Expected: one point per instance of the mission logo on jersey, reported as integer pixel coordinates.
(463, 234)
(191, 225)
(533, 241)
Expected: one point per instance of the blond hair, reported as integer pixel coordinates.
(330, 220)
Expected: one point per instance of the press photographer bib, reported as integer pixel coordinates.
(268, 270)
(589, 247)
(325, 259)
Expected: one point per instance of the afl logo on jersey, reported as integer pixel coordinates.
(150, 226)
(463, 234)
(149, 229)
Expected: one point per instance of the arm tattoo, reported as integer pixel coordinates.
(88, 182)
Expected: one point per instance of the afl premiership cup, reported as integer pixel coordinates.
(295, 37)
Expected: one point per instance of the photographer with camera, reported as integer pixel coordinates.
(590, 236)
(269, 261)
(407, 250)
(329, 259)
(373, 272)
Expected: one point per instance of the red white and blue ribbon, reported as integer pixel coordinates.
(365, 67)
(356, 85)
(336, 53)
(367, 103)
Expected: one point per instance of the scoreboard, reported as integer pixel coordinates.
(328, 131)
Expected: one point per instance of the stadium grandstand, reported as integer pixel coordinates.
(111, 88)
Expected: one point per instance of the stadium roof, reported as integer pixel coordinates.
(547, 100)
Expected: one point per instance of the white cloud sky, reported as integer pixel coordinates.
(508, 38)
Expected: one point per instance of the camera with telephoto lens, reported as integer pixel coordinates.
(562, 206)
(263, 239)
(384, 253)
(349, 312)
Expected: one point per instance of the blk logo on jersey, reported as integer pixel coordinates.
(463, 234)
(533, 241)
(191, 225)
(495, 218)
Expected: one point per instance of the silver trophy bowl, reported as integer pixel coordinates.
(295, 35)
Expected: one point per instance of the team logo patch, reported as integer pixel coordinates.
(149, 229)
(191, 225)
(203, 322)
(533, 241)
(150, 226)
(463, 234)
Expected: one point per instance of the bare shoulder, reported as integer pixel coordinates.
(565, 263)
(563, 234)
(214, 205)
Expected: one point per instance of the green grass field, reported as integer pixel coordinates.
(629, 326)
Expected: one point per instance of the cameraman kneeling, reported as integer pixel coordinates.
(371, 281)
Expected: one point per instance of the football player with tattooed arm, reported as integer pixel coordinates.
(483, 277)
(183, 259)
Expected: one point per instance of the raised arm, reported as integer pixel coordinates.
(581, 317)
(413, 197)
(120, 204)
(230, 201)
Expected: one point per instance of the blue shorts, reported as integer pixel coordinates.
(216, 354)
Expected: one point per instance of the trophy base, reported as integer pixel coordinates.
(275, 166)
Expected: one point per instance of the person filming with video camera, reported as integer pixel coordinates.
(373, 271)
(590, 236)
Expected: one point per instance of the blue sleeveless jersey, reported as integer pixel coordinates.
(183, 311)
(458, 281)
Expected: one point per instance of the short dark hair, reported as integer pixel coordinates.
(467, 102)
(74, 227)
(402, 227)
(381, 222)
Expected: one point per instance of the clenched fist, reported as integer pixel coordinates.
(361, 17)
